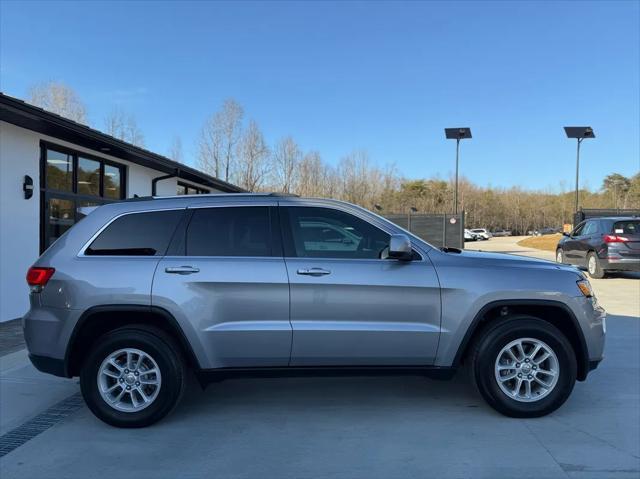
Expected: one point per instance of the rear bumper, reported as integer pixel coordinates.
(49, 365)
(632, 264)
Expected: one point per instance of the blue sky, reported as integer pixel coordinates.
(385, 77)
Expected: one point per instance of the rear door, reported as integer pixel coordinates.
(348, 306)
(226, 280)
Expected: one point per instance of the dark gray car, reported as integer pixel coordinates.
(602, 245)
(140, 291)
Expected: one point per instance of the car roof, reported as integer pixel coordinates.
(614, 218)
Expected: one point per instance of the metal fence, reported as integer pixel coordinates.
(437, 229)
(586, 213)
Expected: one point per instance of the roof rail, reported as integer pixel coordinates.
(212, 195)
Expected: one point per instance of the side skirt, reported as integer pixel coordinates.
(207, 376)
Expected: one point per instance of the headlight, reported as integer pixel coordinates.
(585, 287)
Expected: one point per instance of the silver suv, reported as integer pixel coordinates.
(140, 292)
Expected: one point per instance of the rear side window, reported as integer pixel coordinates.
(137, 234)
(230, 231)
(631, 227)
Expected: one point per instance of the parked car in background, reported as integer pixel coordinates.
(141, 291)
(482, 233)
(501, 232)
(602, 245)
(469, 236)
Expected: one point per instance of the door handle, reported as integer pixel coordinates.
(182, 270)
(314, 272)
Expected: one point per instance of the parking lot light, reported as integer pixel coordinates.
(579, 133)
(457, 134)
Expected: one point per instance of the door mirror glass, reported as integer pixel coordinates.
(400, 247)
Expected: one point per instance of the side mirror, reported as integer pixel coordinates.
(400, 248)
(566, 234)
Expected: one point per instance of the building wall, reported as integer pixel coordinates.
(20, 218)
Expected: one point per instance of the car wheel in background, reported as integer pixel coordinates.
(593, 266)
(523, 367)
(559, 256)
(133, 377)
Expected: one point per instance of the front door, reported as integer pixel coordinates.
(227, 285)
(348, 306)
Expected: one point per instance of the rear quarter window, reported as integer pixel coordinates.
(137, 234)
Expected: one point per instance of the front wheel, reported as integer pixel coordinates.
(133, 377)
(559, 256)
(524, 367)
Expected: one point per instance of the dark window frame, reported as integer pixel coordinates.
(47, 193)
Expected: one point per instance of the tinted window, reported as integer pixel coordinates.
(137, 234)
(627, 227)
(328, 233)
(88, 177)
(59, 171)
(578, 230)
(231, 231)
(112, 179)
(590, 228)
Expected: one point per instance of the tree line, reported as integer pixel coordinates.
(234, 149)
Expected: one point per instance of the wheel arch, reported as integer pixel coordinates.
(90, 327)
(564, 319)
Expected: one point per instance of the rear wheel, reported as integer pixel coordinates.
(593, 266)
(133, 377)
(524, 367)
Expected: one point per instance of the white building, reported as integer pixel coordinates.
(50, 167)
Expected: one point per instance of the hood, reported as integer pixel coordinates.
(488, 259)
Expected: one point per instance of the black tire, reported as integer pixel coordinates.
(168, 358)
(595, 272)
(492, 340)
(560, 256)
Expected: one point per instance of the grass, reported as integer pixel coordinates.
(547, 242)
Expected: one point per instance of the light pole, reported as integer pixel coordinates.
(413, 209)
(579, 133)
(457, 134)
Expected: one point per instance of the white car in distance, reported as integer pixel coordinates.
(483, 234)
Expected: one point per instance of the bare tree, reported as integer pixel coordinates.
(253, 158)
(58, 98)
(286, 157)
(219, 139)
(123, 126)
(175, 151)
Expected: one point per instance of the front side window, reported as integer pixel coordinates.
(229, 231)
(578, 230)
(137, 234)
(316, 232)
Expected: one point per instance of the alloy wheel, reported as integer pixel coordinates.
(527, 369)
(129, 380)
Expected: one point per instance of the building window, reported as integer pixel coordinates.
(185, 189)
(72, 183)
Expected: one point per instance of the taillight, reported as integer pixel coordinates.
(37, 277)
(615, 239)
